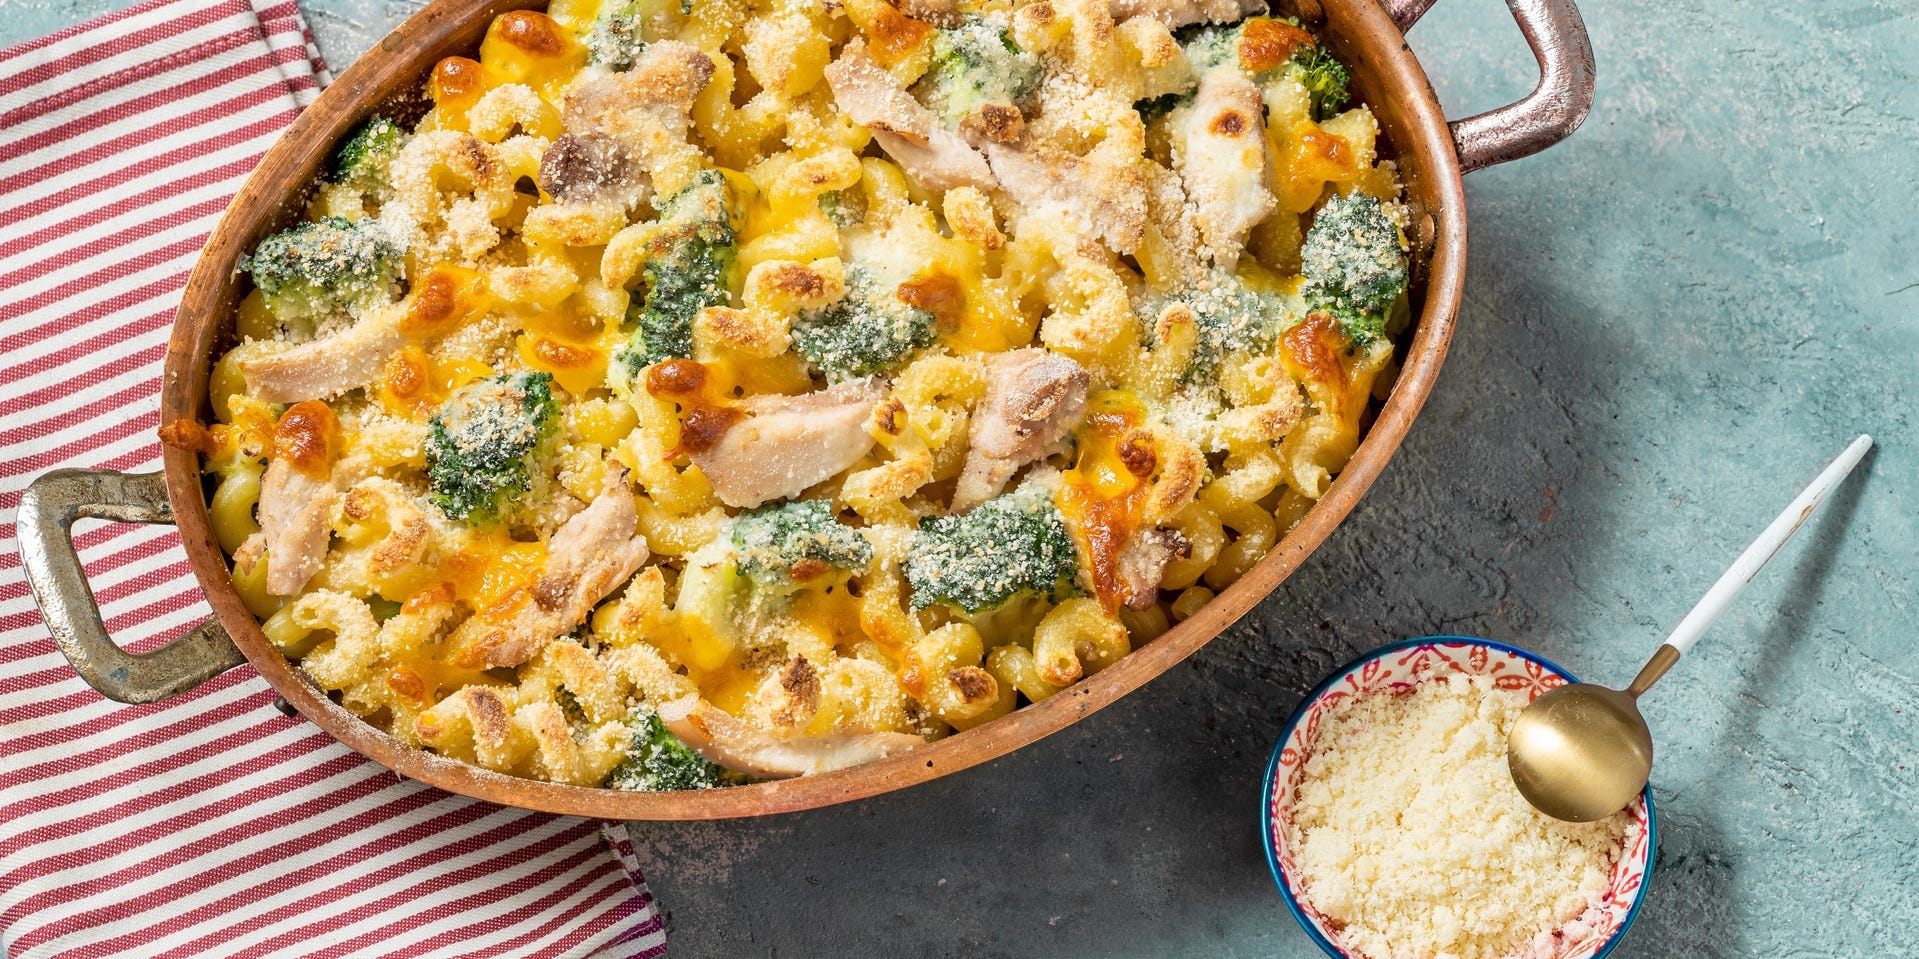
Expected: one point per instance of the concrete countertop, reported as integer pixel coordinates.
(1671, 321)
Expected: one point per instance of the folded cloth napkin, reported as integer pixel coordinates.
(208, 825)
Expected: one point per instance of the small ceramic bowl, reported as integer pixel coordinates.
(1398, 667)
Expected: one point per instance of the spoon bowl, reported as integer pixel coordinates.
(1580, 752)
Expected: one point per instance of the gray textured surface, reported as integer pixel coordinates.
(1671, 320)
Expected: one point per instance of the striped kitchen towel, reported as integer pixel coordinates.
(208, 825)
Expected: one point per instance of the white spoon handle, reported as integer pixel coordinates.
(1762, 549)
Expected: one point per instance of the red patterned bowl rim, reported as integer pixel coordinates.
(1380, 671)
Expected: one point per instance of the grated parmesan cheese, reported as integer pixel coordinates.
(1410, 836)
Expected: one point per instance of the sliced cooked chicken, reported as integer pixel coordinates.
(935, 157)
(939, 13)
(1224, 162)
(329, 366)
(592, 554)
(1143, 560)
(303, 482)
(732, 743)
(788, 443)
(1033, 397)
(591, 168)
(1103, 198)
(296, 509)
(665, 81)
(1179, 13)
(645, 109)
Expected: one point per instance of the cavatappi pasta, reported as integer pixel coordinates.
(748, 388)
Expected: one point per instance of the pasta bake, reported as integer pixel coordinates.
(704, 391)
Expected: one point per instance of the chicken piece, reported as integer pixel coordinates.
(590, 168)
(788, 443)
(1179, 13)
(664, 83)
(940, 13)
(935, 157)
(1142, 562)
(296, 516)
(1103, 196)
(304, 479)
(644, 110)
(329, 366)
(1224, 162)
(1033, 397)
(728, 741)
(592, 554)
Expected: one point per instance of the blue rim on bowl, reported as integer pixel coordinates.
(1270, 783)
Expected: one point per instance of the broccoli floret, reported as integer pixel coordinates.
(1231, 317)
(976, 63)
(689, 262)
(1210, 46)
(784, 545)
(869, 330)
(1323, 76)
(658, 761)
(1015, 544)
(482, 447)
(324, 268)
(618, 34)
(363, 160)
(1153, 109)
(1355, 264)
(845, 209)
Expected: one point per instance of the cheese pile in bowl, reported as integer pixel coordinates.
(1410, 839)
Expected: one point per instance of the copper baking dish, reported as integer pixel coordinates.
(1365, 34)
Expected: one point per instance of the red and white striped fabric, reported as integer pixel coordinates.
(210, 825)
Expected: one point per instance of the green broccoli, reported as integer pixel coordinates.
(363, 161)
(1015, 544)
(658, 761)
(1323, 76)
(1355, 265)
(844, 208)
(689, 266)
(1231, 318)
(325, 268)
(782, 546)
(869, 330)
(973, 64)
(482, 448)
(618, 34)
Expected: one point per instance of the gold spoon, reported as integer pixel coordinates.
(1582, 752)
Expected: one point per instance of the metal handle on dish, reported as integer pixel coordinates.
(48, 510)
(1557, 105)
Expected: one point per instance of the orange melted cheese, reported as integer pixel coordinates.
(526, 46)
(1265, 43)
(704, 411)
(1307, 159)
(455, 85)
(445, 299)
(1102, 496)
(308, 437)
(569, 344)
(894, 35)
